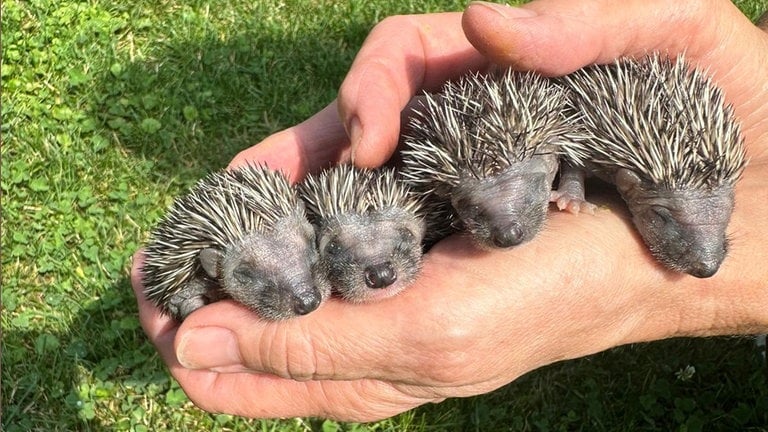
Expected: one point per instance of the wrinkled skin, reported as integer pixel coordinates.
(275, 274)
(372, 256)
(477, 320)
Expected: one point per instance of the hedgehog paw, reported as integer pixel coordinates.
(196, 294)
(572, 203)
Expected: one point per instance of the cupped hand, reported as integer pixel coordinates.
(476, 320)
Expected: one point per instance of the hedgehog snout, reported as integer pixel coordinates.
(380, 275)
(508, 236)
(306, 302)
(707, 263)
(704, 269)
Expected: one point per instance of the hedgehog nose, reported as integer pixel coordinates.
(704, 269)
(380, 275)
(305, 303)
(511, 235)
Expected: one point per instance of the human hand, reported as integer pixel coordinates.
(476, 320)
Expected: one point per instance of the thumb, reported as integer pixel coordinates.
(556, 37)
(226, 337)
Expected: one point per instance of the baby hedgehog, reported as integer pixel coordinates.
(486, 144)
(661, 132)
(240, 234)
(370, 230)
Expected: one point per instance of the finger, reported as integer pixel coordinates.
(161, 329)
(266, 396)
(402, 55)
(406, 339)
(304, 348)
(556, 37)
(306, 147)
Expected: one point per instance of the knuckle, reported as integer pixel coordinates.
(292, 353)
(449, 360)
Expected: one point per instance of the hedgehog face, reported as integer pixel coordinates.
(684, 230)
(272, 273)
(371, 256)
(507, 209)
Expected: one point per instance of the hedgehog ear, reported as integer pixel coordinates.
(209, 259)
(626, 181)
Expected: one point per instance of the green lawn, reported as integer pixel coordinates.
(110, 109)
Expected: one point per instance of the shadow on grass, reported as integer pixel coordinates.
(716, 384)
(195, 105)
(94, 368)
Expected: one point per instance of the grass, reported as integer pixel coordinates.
(110, 109)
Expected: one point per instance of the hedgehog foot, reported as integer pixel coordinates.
(569, 195)
(196, 294)
(567, 202)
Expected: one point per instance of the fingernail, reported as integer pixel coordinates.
(355, 131)
(504, 10)
(208, 347)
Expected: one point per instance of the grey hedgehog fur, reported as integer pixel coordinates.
(661, 131)
(370, 230)
(240, 234)
(487, 145)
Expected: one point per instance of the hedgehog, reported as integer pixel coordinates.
(661, 132)
(486, 145)
(369, 230)
(240, 234)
